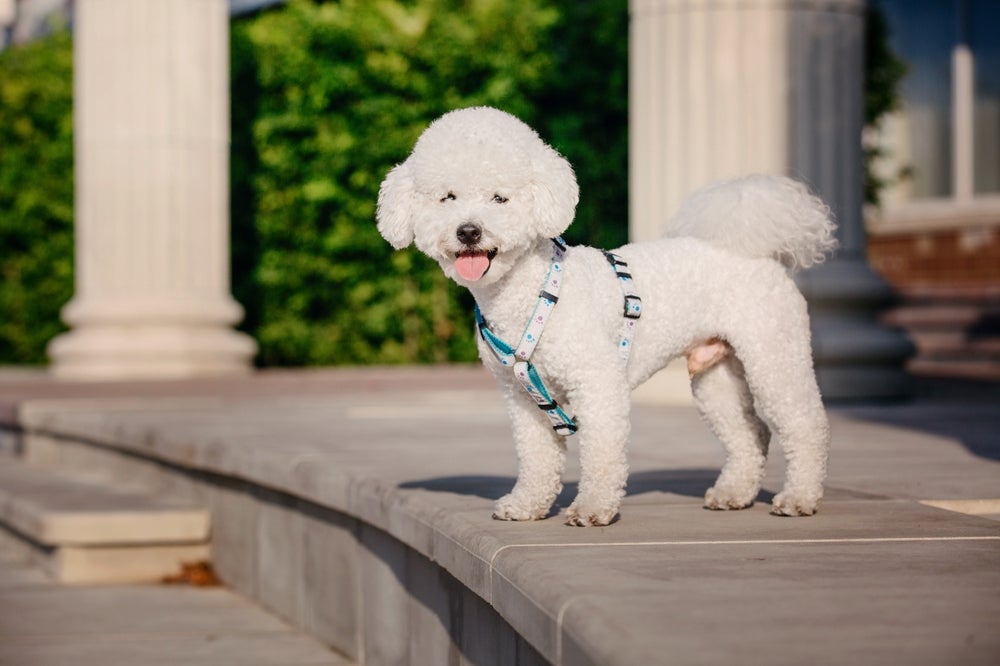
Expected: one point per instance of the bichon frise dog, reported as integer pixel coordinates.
(574, 330)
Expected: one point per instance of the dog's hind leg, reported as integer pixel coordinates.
(779, 371)
(541, 455)
(723, 398)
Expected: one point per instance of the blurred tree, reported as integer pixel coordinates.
(36, 195)
(884, 72)
(583, 111)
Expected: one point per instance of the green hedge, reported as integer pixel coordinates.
(328, 96)
(36, 195)
(884, 73)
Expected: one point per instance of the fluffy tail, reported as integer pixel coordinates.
(759, 216)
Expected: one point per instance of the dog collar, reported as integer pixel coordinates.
(518, 357)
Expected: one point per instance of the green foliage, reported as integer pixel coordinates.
(36, 195)
(583, 111)
(884, 72)
(336, 93)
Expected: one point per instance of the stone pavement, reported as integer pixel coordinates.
(45, 624)
(902, 564)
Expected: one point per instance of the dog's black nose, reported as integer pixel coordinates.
(469, 233)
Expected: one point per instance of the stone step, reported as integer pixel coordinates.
(975, 369)
(960, 316)
(955, 345)
(956, 334)
(82, 529)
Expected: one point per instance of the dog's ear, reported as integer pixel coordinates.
(395, 206)
(555, 191)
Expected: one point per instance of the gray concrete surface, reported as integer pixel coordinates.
(395, 475)
(45, 624)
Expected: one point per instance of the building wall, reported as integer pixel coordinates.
(940, 260)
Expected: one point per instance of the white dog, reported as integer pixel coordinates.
(484, 196)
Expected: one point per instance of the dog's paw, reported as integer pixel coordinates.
(510, 507)
(581, 516)
(719, 498)
(787, 503)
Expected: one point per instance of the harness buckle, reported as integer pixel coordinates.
(565, 429)
(633, 306)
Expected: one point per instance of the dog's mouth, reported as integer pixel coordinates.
(473, 264)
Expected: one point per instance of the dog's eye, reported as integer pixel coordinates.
(499, 198)
(448, 197)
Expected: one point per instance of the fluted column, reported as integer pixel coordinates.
(151, 125)
(722, 88)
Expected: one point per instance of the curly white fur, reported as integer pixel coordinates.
(482, 194)
(759, 216)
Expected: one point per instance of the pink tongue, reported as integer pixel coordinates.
(472, 266)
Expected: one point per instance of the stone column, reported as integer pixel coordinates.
(722, 88)
(151, 125)
(8, 15)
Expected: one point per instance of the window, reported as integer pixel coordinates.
(947, 136)
(984, 42)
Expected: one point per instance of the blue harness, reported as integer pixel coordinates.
(518, 357)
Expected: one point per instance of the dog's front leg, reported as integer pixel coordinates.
(541, 455)
(602, 412)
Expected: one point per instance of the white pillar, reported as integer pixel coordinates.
(151, 125)
(963, 123)
(8, 13)
(721, 88)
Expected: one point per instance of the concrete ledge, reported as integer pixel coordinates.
(83, 529)
(364, 517)
(59, 508)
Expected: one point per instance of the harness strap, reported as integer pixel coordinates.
(633, 304)
(517, 357)
(562, 423)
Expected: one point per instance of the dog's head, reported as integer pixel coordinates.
(479, 189)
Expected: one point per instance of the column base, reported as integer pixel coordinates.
(845, 383)
(856, 358)
(108, 352)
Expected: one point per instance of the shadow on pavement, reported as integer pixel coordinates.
(963, 410)
(687, 482)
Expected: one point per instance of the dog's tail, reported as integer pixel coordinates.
(759, 216)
